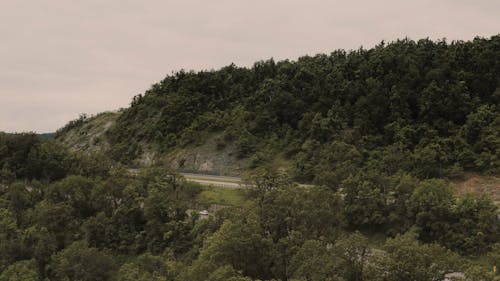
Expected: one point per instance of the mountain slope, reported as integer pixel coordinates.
(88, 134)
(421, 107)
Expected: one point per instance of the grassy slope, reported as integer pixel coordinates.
(221, 196)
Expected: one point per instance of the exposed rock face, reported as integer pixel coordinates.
(207, 159)
(146, 159)
(91, 135)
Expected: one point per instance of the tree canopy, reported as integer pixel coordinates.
(430, 105)
(376, 135)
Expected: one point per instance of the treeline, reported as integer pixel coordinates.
(422, 107)
(28, 156)
(376, 130)
(71, 125)
(68, 216)
(109, 224)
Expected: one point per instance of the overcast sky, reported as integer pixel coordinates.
(60, 58)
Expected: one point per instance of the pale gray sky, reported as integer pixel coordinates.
(60, 58)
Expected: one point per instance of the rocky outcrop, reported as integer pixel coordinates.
(207, 158)
(90, 136)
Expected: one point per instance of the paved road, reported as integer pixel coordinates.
(211, 177)
(222, 181)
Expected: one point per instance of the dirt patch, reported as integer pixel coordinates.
(480, 184)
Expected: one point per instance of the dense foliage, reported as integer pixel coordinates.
(30, 157)
(427, 108)
(376, 130)
(137, 227)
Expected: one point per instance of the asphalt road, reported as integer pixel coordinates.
(222, 181)
(212, 180)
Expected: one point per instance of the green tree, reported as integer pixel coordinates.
(94, 231)
(476, 225)
(406, 259)
(315, 261)
(76, 192)
(41, 245)
(238, 244)
(354, 253)
(58, 219)
(80, 263)
(10, 247)
(481, 132)
(228, 273)
(145, 267)
(365, 202)
(431, 206)
(480, 273)
(21, 271)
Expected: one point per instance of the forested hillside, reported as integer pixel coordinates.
(67, 216)
(424, 107)
(378, 133)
